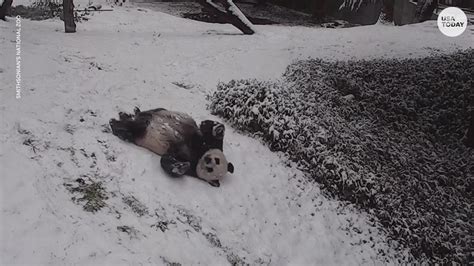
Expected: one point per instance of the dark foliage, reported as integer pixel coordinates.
(38, 11)
(384, 134)
(41, 11)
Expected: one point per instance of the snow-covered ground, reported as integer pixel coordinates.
(72, 84)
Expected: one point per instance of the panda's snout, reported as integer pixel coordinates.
(210, 169)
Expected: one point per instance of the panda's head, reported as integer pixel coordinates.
(213, 166)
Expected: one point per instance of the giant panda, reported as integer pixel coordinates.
(185, 148)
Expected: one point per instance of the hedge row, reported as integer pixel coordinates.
(384, 134)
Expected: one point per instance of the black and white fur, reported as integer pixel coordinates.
(185, 148)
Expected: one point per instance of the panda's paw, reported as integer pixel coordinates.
(124, 116)
(218, 131)
(180, 168)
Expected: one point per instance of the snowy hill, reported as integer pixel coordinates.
(57, 154)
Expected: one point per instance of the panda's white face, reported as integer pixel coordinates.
(212, 165)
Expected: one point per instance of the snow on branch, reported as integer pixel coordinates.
(230, 14)
(235, 11)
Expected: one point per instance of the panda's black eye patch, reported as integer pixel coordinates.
(207, 159)
(218, 161)
(209, 169)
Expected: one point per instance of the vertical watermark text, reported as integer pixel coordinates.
(18, 57)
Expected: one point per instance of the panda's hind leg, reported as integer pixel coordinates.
(128, 129)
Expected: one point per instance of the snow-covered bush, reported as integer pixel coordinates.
(384, 134)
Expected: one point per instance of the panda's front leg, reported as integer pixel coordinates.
(173, 166)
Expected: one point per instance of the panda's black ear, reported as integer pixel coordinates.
(230, 167)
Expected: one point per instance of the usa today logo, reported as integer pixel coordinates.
(452, 21)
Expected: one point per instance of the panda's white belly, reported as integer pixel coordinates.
(165, 129)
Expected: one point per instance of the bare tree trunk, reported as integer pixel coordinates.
(68, 14)
(232, 14)
(424, 10)
(5, 9)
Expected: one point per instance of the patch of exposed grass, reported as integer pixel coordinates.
(92, 194)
